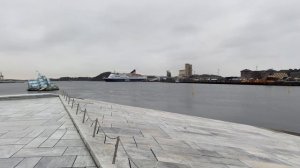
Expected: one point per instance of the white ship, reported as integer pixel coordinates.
(126, 77)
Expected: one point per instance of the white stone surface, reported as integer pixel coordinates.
(182, 141)
(39, 133)
(29, 162)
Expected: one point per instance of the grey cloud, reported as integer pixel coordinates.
(76, 38)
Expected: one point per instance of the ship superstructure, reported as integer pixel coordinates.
(126, 77)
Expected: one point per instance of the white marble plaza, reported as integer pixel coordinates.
(168, 140)
(39, 133)
(46, 132)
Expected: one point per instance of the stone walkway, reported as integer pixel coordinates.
(169, 140)
(39, 133)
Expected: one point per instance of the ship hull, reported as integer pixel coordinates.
(125, 80)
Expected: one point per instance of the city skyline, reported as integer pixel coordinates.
(72, 38)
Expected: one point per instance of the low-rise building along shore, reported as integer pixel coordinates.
(289, 77)
(270, 75)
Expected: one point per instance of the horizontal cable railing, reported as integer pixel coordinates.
(98, 127)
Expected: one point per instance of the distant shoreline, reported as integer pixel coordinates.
(206, 82)
(12, 81)
(187, 82)
(247, 83)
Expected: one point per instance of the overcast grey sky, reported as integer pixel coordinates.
(87, 37)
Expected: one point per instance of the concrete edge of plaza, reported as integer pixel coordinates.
(27, 96)
(81, 134)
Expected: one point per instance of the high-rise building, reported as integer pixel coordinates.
(182, 73)
(169, 75)
(188, 70)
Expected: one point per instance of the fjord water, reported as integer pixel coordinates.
(276, 107)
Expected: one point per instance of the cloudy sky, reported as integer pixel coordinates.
(85, 38)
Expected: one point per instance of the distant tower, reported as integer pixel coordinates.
(169, 75)
(188, 70)
(1, 76)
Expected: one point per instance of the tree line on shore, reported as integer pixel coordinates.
(100, 77)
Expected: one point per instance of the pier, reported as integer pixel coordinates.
(46, 130)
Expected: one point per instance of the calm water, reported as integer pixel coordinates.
(265, 106)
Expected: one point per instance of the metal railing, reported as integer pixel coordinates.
(98, 127)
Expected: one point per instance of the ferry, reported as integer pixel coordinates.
(42, 83)
(126, 77)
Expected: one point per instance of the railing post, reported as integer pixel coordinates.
(116, 150)
(72, 103)
(95, 128)
(77, 109)
(129, 163)
(84, 116)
